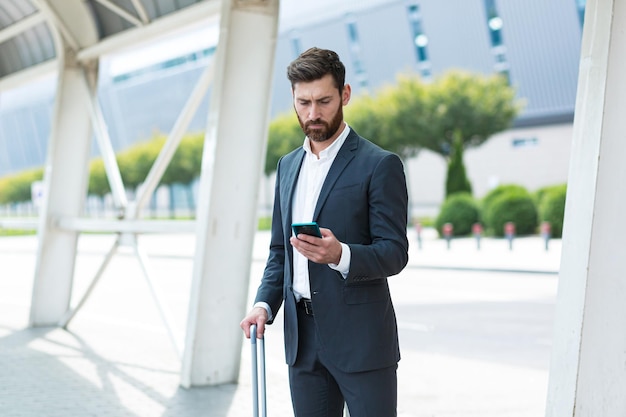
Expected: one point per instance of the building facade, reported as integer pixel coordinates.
(534, 43)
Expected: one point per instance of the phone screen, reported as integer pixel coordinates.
(311, 229)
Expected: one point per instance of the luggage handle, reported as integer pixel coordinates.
(259, 404)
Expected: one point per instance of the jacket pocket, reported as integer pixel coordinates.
(372, 292)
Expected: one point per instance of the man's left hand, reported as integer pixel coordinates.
(321, 250)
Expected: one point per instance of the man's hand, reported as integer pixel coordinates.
(324, 250)
(258, 316)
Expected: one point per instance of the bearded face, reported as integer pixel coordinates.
(320, 130)
(319, 106)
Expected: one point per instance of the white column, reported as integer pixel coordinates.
(65, 177)
(588, 369)
(231, 169)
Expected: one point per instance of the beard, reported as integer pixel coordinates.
(325, 133)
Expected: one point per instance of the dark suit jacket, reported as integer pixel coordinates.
(364, 202)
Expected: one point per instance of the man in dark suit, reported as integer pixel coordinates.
(341, 338)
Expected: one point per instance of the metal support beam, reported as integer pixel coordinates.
(65, 177)
(124, 14)
(173, 140)
(103, 140)
(21, 26)
(204, 12)
(587, 375)
(232, 164)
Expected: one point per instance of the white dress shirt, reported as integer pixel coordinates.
(312, 175)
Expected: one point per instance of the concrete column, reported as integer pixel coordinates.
(65, 177)
(588, 369)
(232, 164)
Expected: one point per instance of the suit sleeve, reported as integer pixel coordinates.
(270, 290)
(387, 254)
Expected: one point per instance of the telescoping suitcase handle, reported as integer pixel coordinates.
(258, 374)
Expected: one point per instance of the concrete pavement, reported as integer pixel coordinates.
(456, 308)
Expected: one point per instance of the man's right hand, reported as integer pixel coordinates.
(258, 316)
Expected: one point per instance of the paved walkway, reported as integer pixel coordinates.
(119, 361)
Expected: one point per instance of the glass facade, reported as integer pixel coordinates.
(420, 40)
(580, 5)
(355, 52)
(498, 49)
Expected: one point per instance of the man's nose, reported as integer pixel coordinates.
(314, 112)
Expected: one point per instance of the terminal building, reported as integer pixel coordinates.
(535, 43)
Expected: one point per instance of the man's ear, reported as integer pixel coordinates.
(346, 93)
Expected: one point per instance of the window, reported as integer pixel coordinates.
(355, 52)
(524, 142)
(580, 4)
(296, 45)
(498, 49)
(420, 40)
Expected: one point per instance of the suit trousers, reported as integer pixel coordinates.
(319, 389)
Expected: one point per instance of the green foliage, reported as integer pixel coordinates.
(135, 164)
(385, 119)
(461, 210)
(186, 162)
(477, 106)
(14, 232)
(411, 119)
(98, 181)
(264, 223)
(539, 194)
(136, 161)
(17, 188)
(456, 179)
(511, 206)
(424, 221)
(498, 191)
(285, 135)
(551, 203)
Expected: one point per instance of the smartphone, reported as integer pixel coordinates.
(310, 228)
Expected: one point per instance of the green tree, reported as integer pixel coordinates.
(17, 187)
(375, 117)
(456, 179)
(98, 180)
(551, 206)
(470, 105)
(285, 135)
(135, 162)
(185, 167)
(461, 210)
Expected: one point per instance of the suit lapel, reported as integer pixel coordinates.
(288, 185)
(343, 158)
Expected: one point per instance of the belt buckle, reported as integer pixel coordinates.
(308, 306)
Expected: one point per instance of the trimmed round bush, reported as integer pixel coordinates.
(552, 208)
(515, 207)
(461, 210)
(498, 191)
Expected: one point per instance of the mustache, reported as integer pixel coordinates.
(315, 122)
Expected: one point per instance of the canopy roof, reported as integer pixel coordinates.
(30, 30)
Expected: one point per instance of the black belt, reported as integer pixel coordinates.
(306, 305)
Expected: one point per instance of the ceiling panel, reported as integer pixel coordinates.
(34, 44)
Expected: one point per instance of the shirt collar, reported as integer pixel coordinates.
(333, 149)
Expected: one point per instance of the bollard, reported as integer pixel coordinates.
(509, 232)
(546, 233)
(447, 230)
(477, 230)
(418, 229)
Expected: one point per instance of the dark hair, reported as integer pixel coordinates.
(315, 63)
